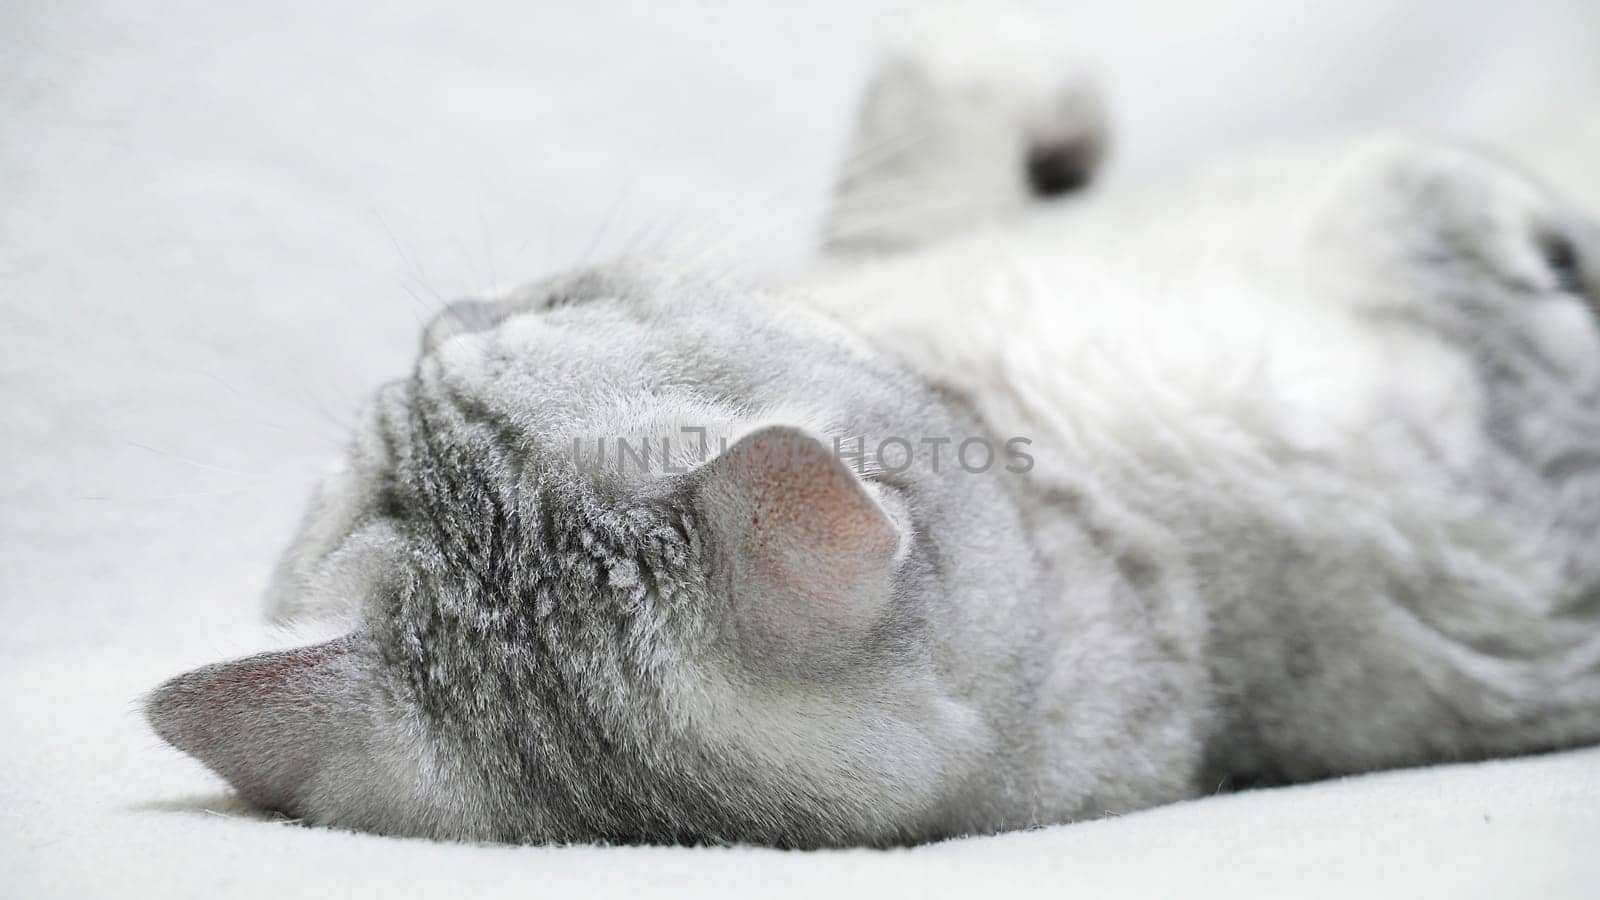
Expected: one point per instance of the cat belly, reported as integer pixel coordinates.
(1311, 578)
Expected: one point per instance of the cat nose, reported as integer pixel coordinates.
(1056, 168)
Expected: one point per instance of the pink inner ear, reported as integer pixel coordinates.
(802, 495)
(812, 552)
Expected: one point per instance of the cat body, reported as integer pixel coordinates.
(1008, 515)
(1251, 411)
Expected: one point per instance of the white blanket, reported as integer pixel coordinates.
(220, 228)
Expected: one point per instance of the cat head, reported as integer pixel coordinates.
(724, 630)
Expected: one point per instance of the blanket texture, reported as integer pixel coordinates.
(222, 224)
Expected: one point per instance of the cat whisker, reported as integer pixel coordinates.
(606, 222)
(180, 495)
(192, 462)
(488, 251)
(859, 162)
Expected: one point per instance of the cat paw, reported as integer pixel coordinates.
(1452, 247)
(1442, 223)
(974, 113)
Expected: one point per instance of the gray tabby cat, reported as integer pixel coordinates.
(1293, 472)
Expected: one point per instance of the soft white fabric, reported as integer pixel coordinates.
(221, 224)
(94, 808)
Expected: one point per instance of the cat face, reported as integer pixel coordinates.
(557, 640)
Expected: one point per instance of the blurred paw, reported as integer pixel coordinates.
(975, 112)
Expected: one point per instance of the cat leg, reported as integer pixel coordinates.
(973, 114)
(1481, 636)
(1450, 249)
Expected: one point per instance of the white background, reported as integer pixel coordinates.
(221, 224)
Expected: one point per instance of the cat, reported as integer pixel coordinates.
(1029, 505)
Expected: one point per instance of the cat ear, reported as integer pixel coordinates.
(268, 724)
(809, 554)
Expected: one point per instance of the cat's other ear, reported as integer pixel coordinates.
(808, 554)
(270, 724)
